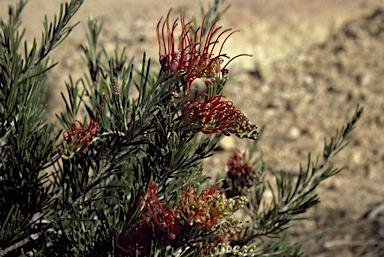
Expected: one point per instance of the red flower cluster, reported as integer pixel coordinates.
(204, 212)
(79, 138)
(194, 57)
(161, 222)
(194, 54)
(238, 167)
(240, 175)
(216, 115)
(211, 211)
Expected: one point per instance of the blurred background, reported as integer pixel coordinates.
(313, 62)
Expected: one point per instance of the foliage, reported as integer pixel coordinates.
(128, 179)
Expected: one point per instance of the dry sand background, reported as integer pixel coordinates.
(313, 62)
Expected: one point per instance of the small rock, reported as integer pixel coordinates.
(356, 157)
(308, 81)
(294, 132)
(369, 172)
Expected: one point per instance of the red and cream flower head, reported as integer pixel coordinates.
(208, 209)
(79, 138)
(215, 115)
(192, 52)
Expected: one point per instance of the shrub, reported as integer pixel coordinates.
(127, 179)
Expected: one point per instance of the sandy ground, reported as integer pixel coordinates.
(313, 62)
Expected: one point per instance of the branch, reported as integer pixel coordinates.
(293, 198)
(53, 35)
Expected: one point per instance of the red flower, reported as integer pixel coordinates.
(159, 224)
(201, 210)
(240, 175)
(204, 212)
(161, 220)
(79, 138)
(194, 54)
(215, 115)
(209, 209)
(239, 168)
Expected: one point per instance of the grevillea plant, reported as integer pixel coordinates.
(120, 175)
